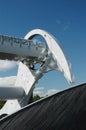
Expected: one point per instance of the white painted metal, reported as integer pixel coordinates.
(60, 61)
(21, 47)
(51, 58)
(11, 92)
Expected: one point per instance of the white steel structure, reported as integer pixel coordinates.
(49, 56)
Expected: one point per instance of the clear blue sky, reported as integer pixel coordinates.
(65, 19)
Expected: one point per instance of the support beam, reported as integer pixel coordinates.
(49, 58)
(11, 92)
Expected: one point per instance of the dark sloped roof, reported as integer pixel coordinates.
(62, 111)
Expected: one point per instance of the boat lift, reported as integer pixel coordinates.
(29, 53)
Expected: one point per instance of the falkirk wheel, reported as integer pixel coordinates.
(29, 52)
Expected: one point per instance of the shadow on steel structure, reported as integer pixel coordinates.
(65, 110)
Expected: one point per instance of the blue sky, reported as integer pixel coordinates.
(65, 19)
